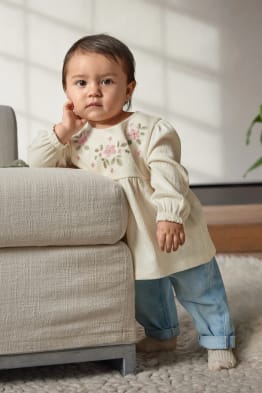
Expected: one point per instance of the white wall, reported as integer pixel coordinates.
(199, 64)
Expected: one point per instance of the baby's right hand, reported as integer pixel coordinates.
(70, 125)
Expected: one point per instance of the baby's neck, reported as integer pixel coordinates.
(110, 122)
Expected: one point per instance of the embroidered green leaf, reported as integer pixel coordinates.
(129, 142)
(101, 147)
(127, 151)
(123, 144)
(86, 147)
(119, 162)
(96, 150)
(113, 161)
(138, 141)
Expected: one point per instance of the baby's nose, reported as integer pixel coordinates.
(94, 89)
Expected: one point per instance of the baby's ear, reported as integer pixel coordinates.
(130, 88)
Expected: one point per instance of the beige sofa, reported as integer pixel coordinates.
(67, 287)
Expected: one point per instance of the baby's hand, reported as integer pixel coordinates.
(71, 123)
(170, 235)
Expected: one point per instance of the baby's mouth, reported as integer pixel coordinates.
(94, 104)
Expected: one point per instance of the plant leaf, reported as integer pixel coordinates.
(254, 166)
(260, 111)
(257, 119)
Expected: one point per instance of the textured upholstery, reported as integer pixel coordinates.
(66, 276)
(59, 206)
(65, 297)
(8, 135)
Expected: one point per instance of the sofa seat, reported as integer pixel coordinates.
(66, 275)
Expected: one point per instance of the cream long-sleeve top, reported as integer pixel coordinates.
(142, 153)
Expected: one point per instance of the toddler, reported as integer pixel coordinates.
(167, 234)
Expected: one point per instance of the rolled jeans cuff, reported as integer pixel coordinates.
(217, 342)
(162, 334)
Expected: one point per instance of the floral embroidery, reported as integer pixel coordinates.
(109, 150)
(81, 139)
(135, 132)
(111, 153)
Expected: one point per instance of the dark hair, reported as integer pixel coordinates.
(105, 45)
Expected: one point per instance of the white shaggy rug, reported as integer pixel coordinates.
(182, 371)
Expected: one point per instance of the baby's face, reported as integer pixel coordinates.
(98, 88)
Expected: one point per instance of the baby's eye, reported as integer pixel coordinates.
(81, 83)
(106, 81)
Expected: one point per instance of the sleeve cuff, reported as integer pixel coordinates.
(164, 216)
(55, 141)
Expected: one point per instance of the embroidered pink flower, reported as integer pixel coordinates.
(83, 138)
(133, 134)
(109, 150)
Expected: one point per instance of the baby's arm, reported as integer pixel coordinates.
(47, 151)
(169, 181)
(52, 149)
(70, 124)
(170, 235)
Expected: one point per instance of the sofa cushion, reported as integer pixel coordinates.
(55, 298)
(59, 206)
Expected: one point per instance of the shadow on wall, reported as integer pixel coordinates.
(193, 67)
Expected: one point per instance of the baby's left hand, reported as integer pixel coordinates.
(170, 235)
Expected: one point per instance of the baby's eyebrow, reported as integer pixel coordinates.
(107, 75)
(83, 76)
(78, 76)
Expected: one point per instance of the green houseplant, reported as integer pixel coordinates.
(257, 119)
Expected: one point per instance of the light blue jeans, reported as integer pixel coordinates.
(201, 292)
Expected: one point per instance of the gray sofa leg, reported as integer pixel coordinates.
(126, 364)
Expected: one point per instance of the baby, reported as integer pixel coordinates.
(167, 233)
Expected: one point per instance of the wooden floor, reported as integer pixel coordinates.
(235, 228)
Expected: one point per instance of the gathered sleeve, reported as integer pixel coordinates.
(168, 178)
(47, 151)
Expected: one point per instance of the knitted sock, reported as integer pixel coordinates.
(151, 344)
(219, 359)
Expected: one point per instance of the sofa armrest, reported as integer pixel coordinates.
(59, 206)
(8, 135)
